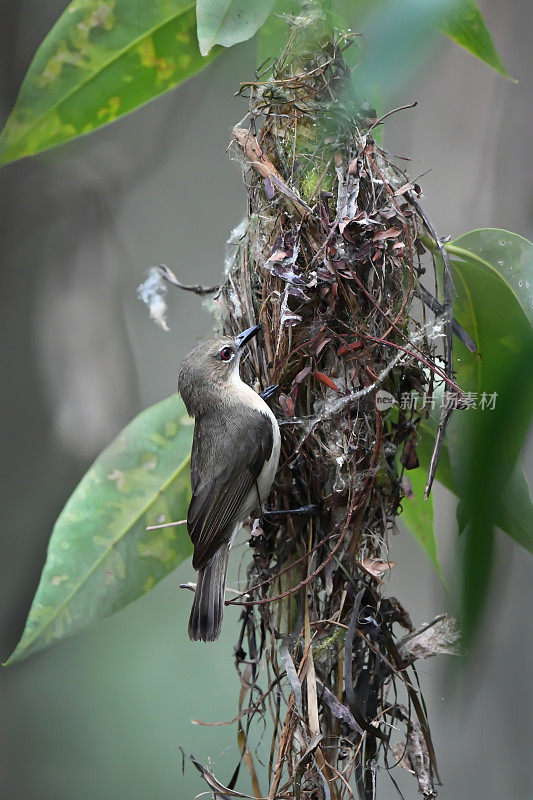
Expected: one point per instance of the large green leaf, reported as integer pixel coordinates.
(228, 22)
(465, 25)
(479, 460)
(492, 446)
(484, 443)
(102, 59)
(485, 440)
(400, 36)
(100, 555)
(493, 274)
(494, 312)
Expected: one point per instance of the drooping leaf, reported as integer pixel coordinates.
(401, 35)
(494, 444)
(100, 555)
(493, 272)
(228, 22)
(464, 24)
(102, 59)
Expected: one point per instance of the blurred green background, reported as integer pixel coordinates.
(103, 714)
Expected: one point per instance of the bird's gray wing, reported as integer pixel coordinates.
(221, 482)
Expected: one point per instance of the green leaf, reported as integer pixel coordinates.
(494, 303)
(417, 516)
(101, 60)
(507, 254)
(485, 440)
(464, 24)
(495, 313)
(100, 555)
(274, 34)
(228, 22)
(514, 513)
(400, 35)
(491, 449)
(493, 273)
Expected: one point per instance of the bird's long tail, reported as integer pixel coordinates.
(208, 604)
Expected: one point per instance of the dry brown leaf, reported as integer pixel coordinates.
(414, 757)
(286, 404)
(254, 154)
(376, 567)
(409, 457)
(264, 166)
(390, 233)
(326, 380)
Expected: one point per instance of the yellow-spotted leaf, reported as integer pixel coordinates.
(100, 555)
(102, 59)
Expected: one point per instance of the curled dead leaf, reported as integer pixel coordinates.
(326, 380)
(250, 146)
(302, 375)
(350, 347)
(390, 233)
(286, 404)
(413, 756)
(376, 566)
(406, 487)
(409, 457)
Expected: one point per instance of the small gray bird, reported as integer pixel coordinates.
(235, 454)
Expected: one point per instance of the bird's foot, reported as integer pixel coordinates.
(269, 391)
(303, 511)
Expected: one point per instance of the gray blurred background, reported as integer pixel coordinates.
(102, 715)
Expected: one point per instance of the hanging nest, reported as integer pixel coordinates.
(328, 261)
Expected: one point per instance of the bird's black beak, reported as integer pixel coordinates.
(244, 337)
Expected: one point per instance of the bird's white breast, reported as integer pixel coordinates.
(268, 473)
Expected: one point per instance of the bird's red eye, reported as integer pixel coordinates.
(226, 353)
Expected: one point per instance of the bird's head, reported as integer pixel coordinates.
(209, 367)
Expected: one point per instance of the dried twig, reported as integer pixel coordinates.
(169, 276)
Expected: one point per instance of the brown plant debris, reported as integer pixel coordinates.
(413, 756)
(440, 637)
(329, 260)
